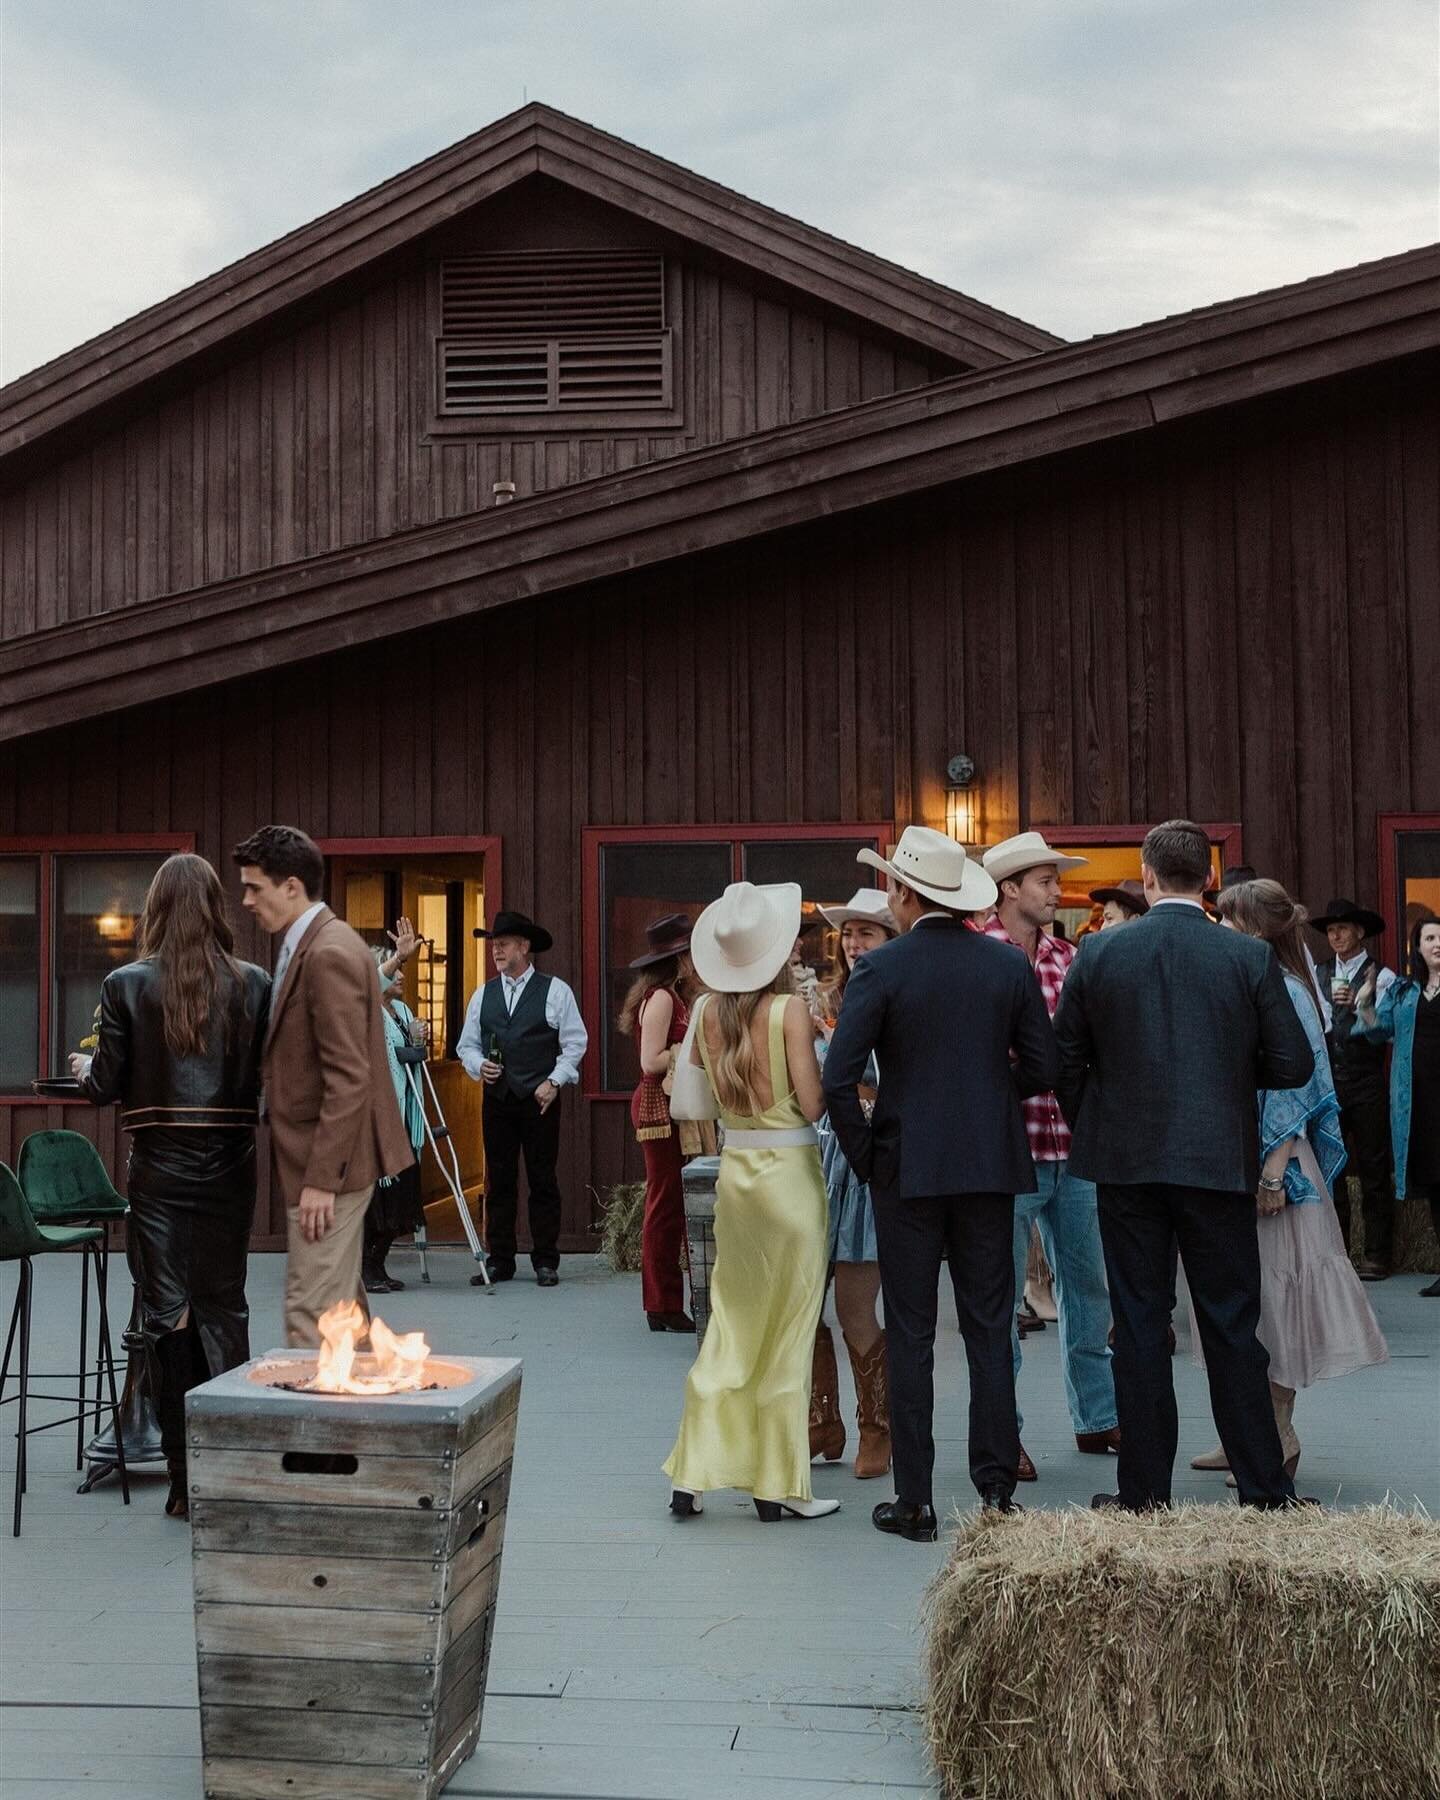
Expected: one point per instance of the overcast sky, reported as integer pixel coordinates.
(1086, 164)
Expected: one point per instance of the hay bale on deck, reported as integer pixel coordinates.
(1209, 1653)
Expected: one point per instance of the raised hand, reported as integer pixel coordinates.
(404, 938)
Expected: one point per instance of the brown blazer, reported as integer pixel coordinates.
(334, 1121)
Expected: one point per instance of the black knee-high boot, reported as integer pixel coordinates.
(1432, 1292)
(373, 1272)
(176, 1365)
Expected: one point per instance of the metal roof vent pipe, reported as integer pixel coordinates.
(503, 492)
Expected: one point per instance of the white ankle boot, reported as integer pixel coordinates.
(771, 1510)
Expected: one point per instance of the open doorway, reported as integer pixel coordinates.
(446, 886)
(1112, 854)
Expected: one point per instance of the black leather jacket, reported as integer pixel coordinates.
(194, 1114)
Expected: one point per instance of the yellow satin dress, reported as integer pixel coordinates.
(746, 1422)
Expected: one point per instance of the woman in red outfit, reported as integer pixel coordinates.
(656, 1012)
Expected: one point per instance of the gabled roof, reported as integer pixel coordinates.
(904, 444)
(536, 140)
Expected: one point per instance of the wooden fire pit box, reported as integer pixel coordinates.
(346, 1560)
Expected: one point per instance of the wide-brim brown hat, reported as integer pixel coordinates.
(515, 924)
(1129, 893)
(665, 938)
(1346, 912)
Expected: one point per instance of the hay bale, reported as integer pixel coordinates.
(1209, 1653)
(622, 1214)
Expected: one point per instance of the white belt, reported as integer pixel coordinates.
(795, 1138)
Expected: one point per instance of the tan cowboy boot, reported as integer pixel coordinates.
(872, 1410)
(827, 1428)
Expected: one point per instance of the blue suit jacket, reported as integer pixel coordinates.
(942, 1008)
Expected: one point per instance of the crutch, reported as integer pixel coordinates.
(414, 1059)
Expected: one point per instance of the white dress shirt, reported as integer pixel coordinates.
(290, 943)
(562, 1015)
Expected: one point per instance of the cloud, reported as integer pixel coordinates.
(1086, 165)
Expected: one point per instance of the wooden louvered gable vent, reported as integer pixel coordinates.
(553, 331)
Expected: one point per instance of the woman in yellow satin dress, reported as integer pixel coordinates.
(746, 1422)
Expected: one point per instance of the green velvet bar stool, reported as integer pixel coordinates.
(21, 1240)
(65, 1182)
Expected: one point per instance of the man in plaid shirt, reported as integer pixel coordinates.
(1027, 872)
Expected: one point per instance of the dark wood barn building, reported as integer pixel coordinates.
(552, 525)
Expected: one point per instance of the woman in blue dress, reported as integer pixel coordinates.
(864, 924)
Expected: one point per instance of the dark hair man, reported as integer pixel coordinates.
(1166, 1031)
(335, 1126)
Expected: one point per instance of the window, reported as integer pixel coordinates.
(1409, 878)
(69, 914)
(1112, 855)
(535, 333)
(634, 874)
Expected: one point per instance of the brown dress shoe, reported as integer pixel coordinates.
(827, 1428)
(872, 1410)
(1098, 1443)
(1025, 1470)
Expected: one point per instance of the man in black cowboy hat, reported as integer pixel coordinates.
(1359, 1070)
(524, 1038)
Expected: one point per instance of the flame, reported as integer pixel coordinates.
(398, 1362)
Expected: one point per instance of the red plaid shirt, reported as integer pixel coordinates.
(1044, 1122)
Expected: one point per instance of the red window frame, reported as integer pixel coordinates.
(46, 849)
(593, 838)
(1393, 826)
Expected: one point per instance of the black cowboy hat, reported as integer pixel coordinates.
(665, 938)
(515, 924)
(1129, 894)
(1346, 912)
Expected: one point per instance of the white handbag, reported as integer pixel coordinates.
(691, 1095)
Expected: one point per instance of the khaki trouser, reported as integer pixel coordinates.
(319, 1275)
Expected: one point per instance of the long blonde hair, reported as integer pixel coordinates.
(733, 1067)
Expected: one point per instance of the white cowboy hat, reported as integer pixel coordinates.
(937, 868)
(743, 940)
(1027, 851)
(866, 906)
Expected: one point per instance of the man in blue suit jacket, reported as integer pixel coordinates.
(942, 1008)
(1166, 1031)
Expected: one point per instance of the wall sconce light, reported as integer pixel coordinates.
(962, 809)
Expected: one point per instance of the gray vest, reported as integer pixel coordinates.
(529, 1047)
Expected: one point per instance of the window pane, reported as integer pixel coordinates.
(19, 973)
(1418, 856)
(639, 883)
(828, 875)
(98, 900)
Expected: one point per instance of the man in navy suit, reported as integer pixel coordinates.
(960, 1035)
(1166, 1031)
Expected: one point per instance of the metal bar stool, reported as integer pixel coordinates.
(21, 1240)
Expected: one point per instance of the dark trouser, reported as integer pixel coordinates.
(975, 1234)
(511, 1127)
(1365, 1122)
(179, 1365)
(662, 1287)
(1219, 1247)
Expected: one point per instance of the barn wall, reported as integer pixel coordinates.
(1230, 622)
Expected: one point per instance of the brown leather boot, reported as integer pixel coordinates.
(827, 1428)
(872, 1410)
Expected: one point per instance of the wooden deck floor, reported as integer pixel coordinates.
(635, 1658)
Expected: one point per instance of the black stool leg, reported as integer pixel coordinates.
(84, 1355)
(102, 1286)
(23, 1303)
(9, 1343)
(109, 1356)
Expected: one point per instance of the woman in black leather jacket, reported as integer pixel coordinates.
(180, 1037)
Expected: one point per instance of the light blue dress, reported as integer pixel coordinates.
(852, 1217)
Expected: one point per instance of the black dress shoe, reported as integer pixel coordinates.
(395, 1287)
(547, 1278)
(496, 1272)
(375, 1283)
(914, 1522)
(670, 1321)
(1432, 1292)
(1106, 1503)
(997, 1499)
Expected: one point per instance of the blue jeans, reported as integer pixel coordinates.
(1065, 1210)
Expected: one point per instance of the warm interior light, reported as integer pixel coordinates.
(111, 925)
(395, 1364)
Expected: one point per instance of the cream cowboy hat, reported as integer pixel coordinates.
(937, 868)
(867, 906)
(1027, 851)
(743, 940)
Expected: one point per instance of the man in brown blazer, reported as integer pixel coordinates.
(335, 1127)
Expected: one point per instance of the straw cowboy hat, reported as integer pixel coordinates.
(664, 938)
(1346, 912)
(866, 906)
(1026, 851)
(743, 940)
(937, 868)
(1128, 893)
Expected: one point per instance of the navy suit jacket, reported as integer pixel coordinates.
(941, 1008)
(1167, 1028)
